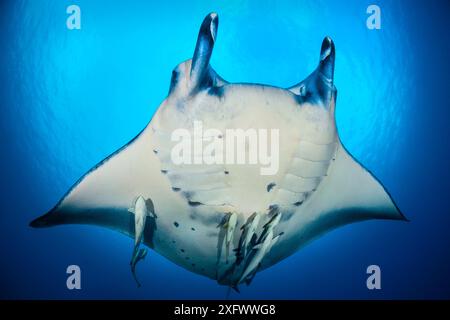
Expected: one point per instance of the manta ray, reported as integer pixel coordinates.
(228, 221)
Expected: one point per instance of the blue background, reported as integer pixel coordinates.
(70, 98)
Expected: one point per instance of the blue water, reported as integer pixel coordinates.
(69, 98)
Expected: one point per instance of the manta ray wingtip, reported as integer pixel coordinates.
(36, 223)
(405, 219)
(398, 215)
(43, 221)
(401, 216)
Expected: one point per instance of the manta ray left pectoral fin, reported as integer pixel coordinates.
(105, 193)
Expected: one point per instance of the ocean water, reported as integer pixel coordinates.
(68, 98)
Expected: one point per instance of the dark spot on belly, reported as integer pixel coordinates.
(164, 171)
(176, 224)
(273, 208)
(173, 241)
(270, 186)
(226, 172)
(182, 250)
(176, 189)
(194, 203)
(298, 203)
(193, 229)
(193, 264)
(155, 151)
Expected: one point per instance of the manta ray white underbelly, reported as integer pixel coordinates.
(224, 220)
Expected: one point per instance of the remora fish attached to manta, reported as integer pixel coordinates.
(318, 185)
(141, 211)
(248, 233)
(261, 249)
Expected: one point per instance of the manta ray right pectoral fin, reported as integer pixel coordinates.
(352, 194)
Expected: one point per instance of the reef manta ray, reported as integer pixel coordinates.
(227, 221)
